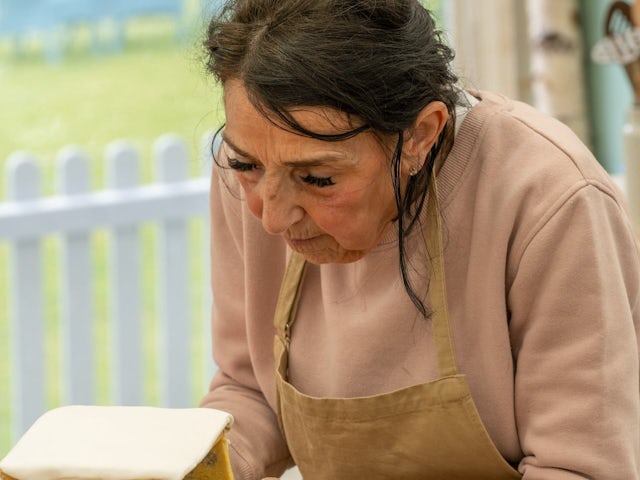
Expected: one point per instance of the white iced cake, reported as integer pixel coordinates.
(122, 443)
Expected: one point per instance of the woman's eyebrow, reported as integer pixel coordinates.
(238, 150)
(319, 160)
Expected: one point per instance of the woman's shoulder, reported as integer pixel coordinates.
(520, 154)
(533, 142)
(514, 168)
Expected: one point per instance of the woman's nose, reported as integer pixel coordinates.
(280, 208)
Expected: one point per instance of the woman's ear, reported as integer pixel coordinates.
(423, 135)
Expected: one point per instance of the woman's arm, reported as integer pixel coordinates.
(574, 328)
(256, 444)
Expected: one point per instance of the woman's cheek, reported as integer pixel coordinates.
(254, 201)
(255, 205)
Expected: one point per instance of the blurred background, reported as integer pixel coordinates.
(541, 52)
(88, 72)
(72, 72)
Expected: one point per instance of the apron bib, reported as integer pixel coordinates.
(428, 431)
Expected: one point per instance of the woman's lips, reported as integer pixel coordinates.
(303, 244)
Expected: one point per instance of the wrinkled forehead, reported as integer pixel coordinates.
(259, 139)
(317, 119)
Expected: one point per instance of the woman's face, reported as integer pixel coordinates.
(330, 201)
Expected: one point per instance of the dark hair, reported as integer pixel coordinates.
(380, 61)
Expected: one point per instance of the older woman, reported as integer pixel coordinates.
(450, 278)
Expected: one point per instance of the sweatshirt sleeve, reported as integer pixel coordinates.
(257, 448)
(574, 328)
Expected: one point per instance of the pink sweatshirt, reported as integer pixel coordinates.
(542, 283)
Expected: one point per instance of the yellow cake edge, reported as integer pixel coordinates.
(214, 466)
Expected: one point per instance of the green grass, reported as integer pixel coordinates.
(155, 86)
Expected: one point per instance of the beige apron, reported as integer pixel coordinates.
(430, 431)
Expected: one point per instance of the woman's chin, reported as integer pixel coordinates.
(322, 257)
(324, 249)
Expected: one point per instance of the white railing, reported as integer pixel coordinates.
(73, 216)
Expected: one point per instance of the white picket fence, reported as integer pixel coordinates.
(73, 216)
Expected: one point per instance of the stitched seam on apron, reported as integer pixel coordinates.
(404, 412)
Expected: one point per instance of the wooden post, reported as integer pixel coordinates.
(125, 277)
(484, 36)
(557, 53)
(76, 282)
(27, 313)
(171, 160)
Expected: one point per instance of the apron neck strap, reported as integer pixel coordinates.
(293, 279)
(437, 285)
(289, 295)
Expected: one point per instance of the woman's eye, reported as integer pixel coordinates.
(318, 181)
(241, 166)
